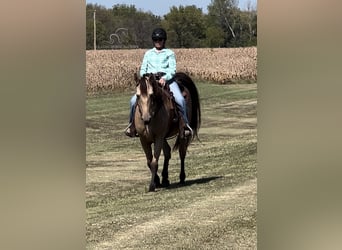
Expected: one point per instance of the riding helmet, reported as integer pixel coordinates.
(159, 33)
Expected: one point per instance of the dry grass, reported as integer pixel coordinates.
(215, 209)
(114, 69)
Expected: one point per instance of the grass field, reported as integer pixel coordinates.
(215, 209)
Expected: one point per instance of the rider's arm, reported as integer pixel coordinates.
(171, 70)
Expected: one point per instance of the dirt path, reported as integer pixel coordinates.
(209, 222)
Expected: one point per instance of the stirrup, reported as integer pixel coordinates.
(128, 131)
(188, 131)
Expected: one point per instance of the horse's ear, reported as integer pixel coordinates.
(136, 78)
(138, 91)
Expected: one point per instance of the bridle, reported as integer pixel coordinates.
(153, 106)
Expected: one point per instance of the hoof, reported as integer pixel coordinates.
(181, 182)
(165, 183)
(152, 187)
(157, 182)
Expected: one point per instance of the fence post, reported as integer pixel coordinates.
(94, 29)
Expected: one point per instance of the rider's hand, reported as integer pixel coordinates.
(162, 82)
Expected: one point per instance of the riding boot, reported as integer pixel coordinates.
(184, 128)
(130, 130)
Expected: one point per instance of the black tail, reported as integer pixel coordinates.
(184, 80)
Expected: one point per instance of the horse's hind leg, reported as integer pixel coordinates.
(182, 153)
(167, 156)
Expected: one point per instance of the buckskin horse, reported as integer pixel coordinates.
(157, 119)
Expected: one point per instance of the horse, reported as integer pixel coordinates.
(156, 120)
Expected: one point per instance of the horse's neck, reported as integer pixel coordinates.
(165, 103)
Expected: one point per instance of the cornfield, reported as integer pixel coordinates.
(114, 69)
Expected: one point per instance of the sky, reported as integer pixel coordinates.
(162, 7)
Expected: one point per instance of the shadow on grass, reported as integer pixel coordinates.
(192, 182)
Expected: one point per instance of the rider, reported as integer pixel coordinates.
(160, 59)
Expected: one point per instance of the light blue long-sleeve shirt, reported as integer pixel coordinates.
(162, 61)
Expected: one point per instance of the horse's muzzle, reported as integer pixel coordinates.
(146, 119)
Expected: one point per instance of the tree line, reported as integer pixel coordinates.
(123, 26)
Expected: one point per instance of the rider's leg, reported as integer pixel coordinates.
(174, 88)
(130, 130)
(131, 106)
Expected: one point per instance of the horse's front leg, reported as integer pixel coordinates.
(154, 165)
(148, 153)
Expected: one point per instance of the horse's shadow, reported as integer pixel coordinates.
(192, 182)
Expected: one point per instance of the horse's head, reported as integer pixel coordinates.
(146, 96)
